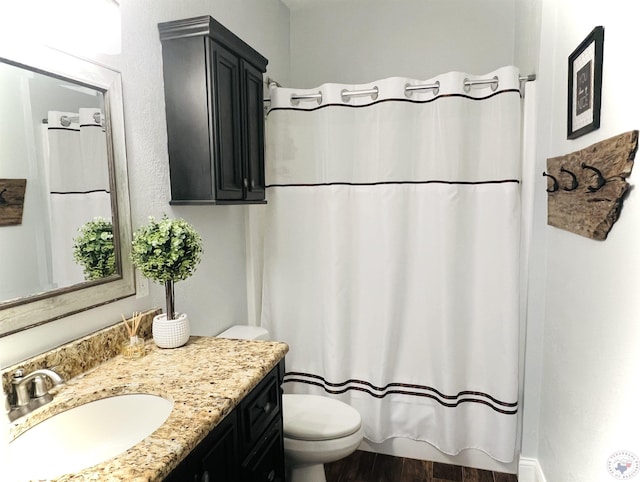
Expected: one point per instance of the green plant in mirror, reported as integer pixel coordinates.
(93, 249)
(166, 251)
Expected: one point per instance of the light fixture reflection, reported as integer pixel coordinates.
(83, 27)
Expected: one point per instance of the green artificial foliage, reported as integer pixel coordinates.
(166, 250)
(93, 249)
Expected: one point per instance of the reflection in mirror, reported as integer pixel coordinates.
(62, 153)
(61, 130)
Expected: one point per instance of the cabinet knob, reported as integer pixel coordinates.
(272, 475)
(246, 183)
(266, 408)
(253, 184)
(205, 476)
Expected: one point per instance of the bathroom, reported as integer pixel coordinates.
(578, 352)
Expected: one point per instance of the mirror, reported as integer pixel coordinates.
(65, 227)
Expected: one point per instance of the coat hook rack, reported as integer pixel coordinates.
(589, 203)
(12, 192)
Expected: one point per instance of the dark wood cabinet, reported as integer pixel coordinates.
(215, 117)
(216, 458)
(247, 445)
(265, 463)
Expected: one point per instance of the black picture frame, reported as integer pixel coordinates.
(584, 94)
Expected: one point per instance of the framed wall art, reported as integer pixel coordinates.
(585, 85)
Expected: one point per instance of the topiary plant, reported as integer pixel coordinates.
(93, 249)
(167, 251)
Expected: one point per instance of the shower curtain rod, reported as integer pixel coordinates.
(64, 118)
(407, 90)
(66, 121)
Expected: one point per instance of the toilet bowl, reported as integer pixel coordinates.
(317, 430)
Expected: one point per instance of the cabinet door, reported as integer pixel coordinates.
(253, 132)
(266, 462)
(216, 458)
(226, 121)
(259, 410)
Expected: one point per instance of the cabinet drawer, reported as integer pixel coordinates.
(259, 409)
(266, 461)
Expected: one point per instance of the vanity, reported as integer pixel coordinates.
(226, 421)
(247, 445)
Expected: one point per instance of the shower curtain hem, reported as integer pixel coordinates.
(435, 445)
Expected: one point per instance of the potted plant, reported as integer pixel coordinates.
(93, 249)
(167, 251)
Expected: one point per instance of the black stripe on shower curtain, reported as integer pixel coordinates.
(412, 390)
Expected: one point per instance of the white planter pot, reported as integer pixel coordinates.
(170, 333)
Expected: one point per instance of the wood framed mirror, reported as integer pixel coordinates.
(61, 129)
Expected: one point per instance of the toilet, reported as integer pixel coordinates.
(317, 430)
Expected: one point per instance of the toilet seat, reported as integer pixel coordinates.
(312, 417)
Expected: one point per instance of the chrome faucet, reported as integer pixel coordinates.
(30, 391)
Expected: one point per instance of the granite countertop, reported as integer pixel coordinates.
(206, 379)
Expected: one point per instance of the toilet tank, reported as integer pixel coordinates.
(245, 332)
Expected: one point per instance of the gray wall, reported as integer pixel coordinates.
(358, 41)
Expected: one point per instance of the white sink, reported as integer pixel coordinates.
(86, 435)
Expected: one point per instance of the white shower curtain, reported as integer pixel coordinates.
(391, 254)
(78, 180)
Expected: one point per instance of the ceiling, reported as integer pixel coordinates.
(296, 4)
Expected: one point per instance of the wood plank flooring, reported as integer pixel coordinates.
(370, 467)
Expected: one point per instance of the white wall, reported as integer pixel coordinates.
(588, 393)
(358, 41)
(215, 297)
(526, 57)
(527, 35)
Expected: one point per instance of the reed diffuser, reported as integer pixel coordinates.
(135, 347)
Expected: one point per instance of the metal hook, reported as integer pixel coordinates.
(555, 186)
(574, 180)
(601, 180)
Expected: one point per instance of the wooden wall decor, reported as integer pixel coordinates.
(586, 188)
(11, 201)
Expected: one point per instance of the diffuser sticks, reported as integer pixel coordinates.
(135, 347)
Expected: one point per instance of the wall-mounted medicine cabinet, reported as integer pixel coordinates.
(215, 119)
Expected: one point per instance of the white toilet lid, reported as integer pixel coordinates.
(311, 417)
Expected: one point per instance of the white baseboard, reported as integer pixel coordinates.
(529, 470)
